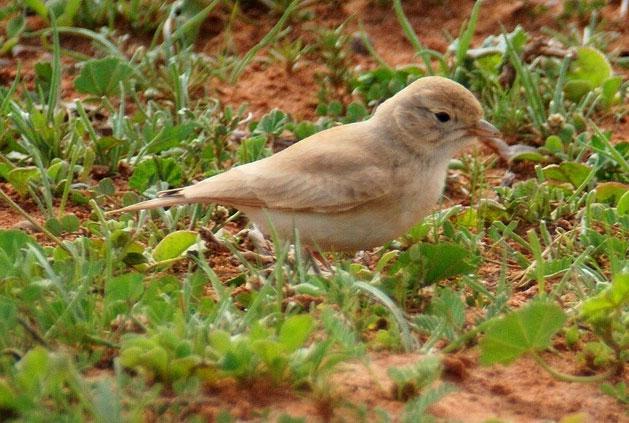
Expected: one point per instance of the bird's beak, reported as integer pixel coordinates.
(484, 130)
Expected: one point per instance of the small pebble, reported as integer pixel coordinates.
(25, 225)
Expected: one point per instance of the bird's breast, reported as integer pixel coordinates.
(418, 192)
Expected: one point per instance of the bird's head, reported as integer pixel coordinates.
(435, 115)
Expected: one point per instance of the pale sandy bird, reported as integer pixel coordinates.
(353, 186)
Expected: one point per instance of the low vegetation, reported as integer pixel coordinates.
(136, 317)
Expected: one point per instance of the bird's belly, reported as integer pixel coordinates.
(369, 225)
(348, 231)
(357, 229)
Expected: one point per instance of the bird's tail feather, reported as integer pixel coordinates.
(165, 199)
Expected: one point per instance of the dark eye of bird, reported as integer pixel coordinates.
(442, 116)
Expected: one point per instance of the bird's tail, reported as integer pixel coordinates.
(172, 197)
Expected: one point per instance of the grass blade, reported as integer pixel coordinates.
(55, 79)
(405, 333)
(465, 40)
(266, 40)
(412, 37)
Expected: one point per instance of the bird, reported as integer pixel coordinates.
(355, 186)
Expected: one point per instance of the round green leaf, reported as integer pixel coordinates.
(295, 331)
(102, 77)
(21, 176)
(174, 245)
(590, 65)
(588, 71)
(554, 144)
(127, 288)
(611, 191)
(528, 329)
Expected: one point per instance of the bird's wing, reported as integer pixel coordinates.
(323, 175)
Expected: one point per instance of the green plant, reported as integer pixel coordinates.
(163, 315)
(606, 313)
(581, 8)
(412, 380)
(291, 53)
(337, 79)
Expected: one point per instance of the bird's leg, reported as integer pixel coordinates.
(256, 237)
(362, 257)
(211, 241)
(262, 251)
(316, 258)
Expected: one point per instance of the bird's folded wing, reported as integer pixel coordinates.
(331, 183)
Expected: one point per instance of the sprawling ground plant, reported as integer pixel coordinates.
(140, 316)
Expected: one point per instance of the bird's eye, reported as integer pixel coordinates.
(442, 117)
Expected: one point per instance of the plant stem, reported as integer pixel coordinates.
(460, 341)
(564, 377)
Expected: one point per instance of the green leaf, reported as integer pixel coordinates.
(528, 156)
(304, 130)
(38, 6)
(590, 65)
(444, 260)
(577, 89)
(67, 223)
(131, 356)
(70, 10)
(610, 192)
(104, 144)
(8, 398)
(182, 367)
(449, 306)
(386, 259)
(272, 123)
(613, 297)
(5, 168)
(335, 108)
(101, 77)
(620, 391)
(16, 26)
(12, 242)
(54, 226)
(106, 187)
(220, 341)
(526, 330)
(21, 176)
(171, 136)
(33, 368)
(295, 331)
(134, 258)
(554, 144)
(157, 360)
(153, 170)
(270, 351)
(107, 405)
(8, 315)
(126, 288)
(43, 77)
(610, 89)
(252, 149)
(174, 244)
(355, 113)
(588, 71)
(623, 204)
(573, 172)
